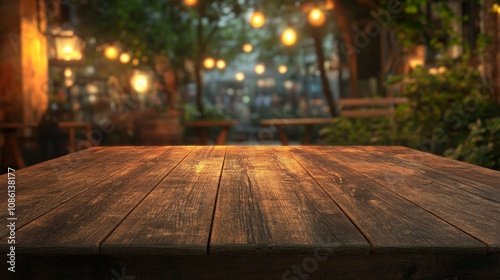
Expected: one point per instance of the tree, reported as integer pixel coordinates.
(168, 28)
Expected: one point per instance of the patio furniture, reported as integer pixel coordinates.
(13, 149)
(349, 108)
(217, 212)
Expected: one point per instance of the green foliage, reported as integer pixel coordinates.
(343, 131)
(211, 113)
(482, 145)
(442, 105)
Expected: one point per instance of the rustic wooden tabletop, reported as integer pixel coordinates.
(335, 212)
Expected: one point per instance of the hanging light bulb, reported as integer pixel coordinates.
(289, 37)
(282, 69)
(221, 64)
(209, 63)
(190, 2)
(239, 76)
(260, 69)
(257, 19)
(316, 17)
(111, 52)
(247, 48)
(124, 58)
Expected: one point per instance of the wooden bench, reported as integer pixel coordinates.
(348, 107)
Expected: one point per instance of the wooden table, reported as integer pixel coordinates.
(219, 212)
(280, 124)
(202, 130)
(12, 143)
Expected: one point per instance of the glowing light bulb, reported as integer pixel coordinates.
(124, 58)
(111, 52)
(282, 69)
(190, 2)
(239, 76)
(260, 69)
(257, 19)
(247, 48)
(221, 64)
(209, 63)
(289, 37)
(316, 17)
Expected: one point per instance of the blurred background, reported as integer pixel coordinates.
(81, 73)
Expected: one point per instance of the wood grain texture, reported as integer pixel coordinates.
(481, 178)
(390, 222)
(175, 218)
(65, 178)
(81, 224)
(268, 204)
(471, 207)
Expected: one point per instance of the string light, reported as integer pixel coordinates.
(209, 63)
(282, 69)
(257, 19)
(239, 76)
(124, 58)
(289, 37)
(316, 17)
(260, 69)
(190, 2)
(247, 48)
(111, 52)
(221, 64)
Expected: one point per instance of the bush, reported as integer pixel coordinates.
(482, 145)
(343, 131)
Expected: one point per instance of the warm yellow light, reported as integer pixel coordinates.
(240, 76)
(415, 62)
(316, 17)
(67, 50)
(209, 63)
(124, 58)
(260, 69)
(111, 52)
(68, 72)
(329, 5)
(190, 2)
(140, 82)
(247, 48)
(282, 69)
(289, 37)
(135, 61)
(221, 64)
(257, 19)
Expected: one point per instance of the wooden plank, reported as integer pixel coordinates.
(390, 222)
(366, 113)
(268, 203)
(489, 179)
(304, 121)
(43, 192)
(470, 178)
(175, 218)
(81, 224)
(209, 123)
(358, 102)
(447, 198)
